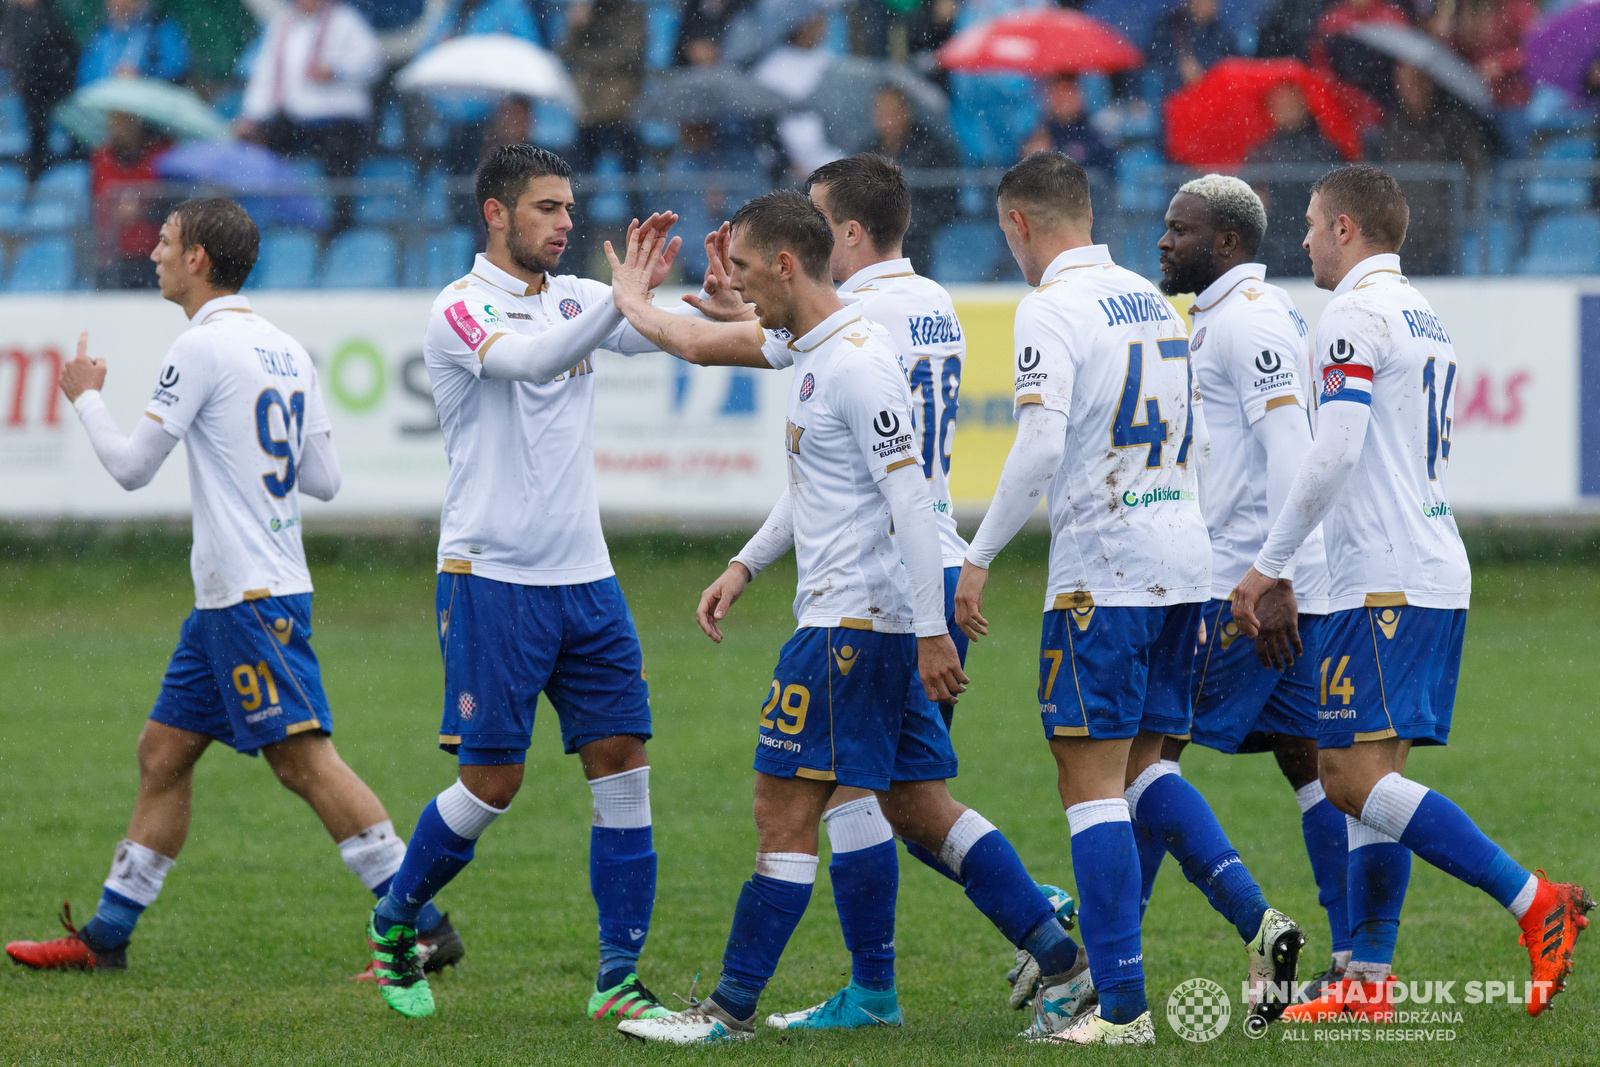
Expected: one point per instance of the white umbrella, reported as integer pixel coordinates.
(156, 102)
(494, 61)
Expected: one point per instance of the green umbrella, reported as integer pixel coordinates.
(176, 110)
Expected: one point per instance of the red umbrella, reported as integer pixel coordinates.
(1040, 41)
(1216, 121)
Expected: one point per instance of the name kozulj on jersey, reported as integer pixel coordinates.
(937, 328)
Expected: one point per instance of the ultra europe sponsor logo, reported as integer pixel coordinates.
(1161, 495)
(1199, 1010)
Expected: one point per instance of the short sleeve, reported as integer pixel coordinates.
(775, 347)
(872, 398)
(183, 383)
(1044, 363)
(1348, 352)
(465, 323)
(1264, 354)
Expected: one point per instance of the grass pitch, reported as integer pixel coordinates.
(245, 958)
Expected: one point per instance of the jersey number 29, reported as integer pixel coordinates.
(294, 417)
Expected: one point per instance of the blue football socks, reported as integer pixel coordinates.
(1152, 850)
(770, 906)
(930, 860)
(1380, 871)
(622, 876)
(865, 884)
(428, 918)
(1177, 815)
(442, 844)
(113, 922)
(995, 880)
(1328, 846)
(1105, 861)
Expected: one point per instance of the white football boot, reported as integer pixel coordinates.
(1090, 1029)
(1061, 997)
(703, 1024)
(1274, 965)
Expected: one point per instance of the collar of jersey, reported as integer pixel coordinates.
(1228, 283)
(1382, 263)
(231, 302)
(485, 271)
(1083, 256)
(889, 268)
(825, 329)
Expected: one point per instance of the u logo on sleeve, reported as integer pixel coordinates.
(1028, 359)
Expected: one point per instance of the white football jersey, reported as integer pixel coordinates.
(849, 425)
(1101, 345)
(520, 503)
(243, 396)
(1392, 530)
(1251, 353)
(926, 335)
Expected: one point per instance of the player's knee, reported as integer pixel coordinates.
(496, 786)
(613, 755)
(165, 758)
(1297, 759)
(1343, 793)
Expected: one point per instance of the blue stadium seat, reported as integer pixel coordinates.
(1564, 243)
(61, 197)
(399, 177)
(662, 20)
(361, 259)
(1561, 192)
(436, 197)
(43, 264)
(13, 125)
(438, 259)
(965, 252)
(13, 197)
(1499, 236)
(288, 260)
(1139, 185)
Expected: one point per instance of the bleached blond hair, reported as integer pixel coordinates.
(1233, 206)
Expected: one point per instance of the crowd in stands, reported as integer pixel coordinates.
(312, 81)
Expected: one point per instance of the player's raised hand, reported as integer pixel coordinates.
(1247, 600)
(969, 600)
(720, 302)
(80, 374)
(719, 597)
(630, 276)
(1278, 620)
(657, 226)
(940, 667)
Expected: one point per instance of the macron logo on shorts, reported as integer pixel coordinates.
(465, 326)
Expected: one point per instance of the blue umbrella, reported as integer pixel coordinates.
(278, 192)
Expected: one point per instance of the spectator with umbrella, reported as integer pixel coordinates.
(466, 112)
(1188, 40)
(310, 93)
(916, 145)
(604, 50)
(134, 41)
(1490, 34)
(40, 54)
(1066, 129)
(1295, 139)
(127, 219)
(1428, 127)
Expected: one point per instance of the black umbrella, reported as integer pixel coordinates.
(706, 94)
(1446, 69)
(844, 98)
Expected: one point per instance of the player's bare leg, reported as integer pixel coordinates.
(310, 767)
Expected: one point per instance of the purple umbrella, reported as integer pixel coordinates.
(1561, 47)
(274, 191)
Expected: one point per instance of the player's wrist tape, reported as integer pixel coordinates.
(84, 398)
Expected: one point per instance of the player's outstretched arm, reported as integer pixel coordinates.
(319, 468)
(690, 338)
(1332, 458)
(1285, 436)
(917, 537)
(132, 460)
(1029, 469)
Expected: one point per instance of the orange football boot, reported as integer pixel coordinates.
(1549, 930)
(1347, 1001)
(67, 953)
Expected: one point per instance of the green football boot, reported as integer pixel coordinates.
(398, 969)
(628, 999)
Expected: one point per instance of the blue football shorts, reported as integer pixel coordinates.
(503, 644)
(848, 706)
(1109, 672)
(1237, 701)
(1388, 671)
(952, 575)
(246, 675)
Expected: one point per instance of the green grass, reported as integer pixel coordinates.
(244, 960)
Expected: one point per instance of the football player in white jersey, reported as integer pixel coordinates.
(1375, 478)
(852, 700)
(868, 205)
(527, 600)
(1103, 392)
(244, 397)
(1250, 352)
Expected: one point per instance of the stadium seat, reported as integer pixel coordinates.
(13, 197)
(1566, 191)
(1564, 243)
(438, 259)
(436, 197)
(288, 260)
(43, 264)
(1140, 185)
(398, 177)
(361, 259)
(965, 252)
(13, 125)
(663, 19)
(60, 197)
